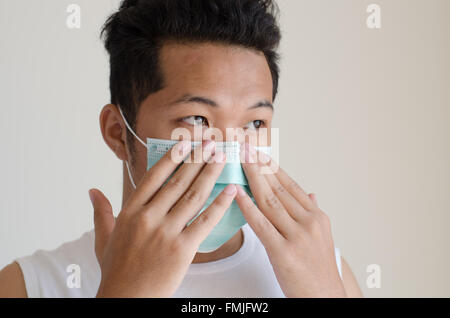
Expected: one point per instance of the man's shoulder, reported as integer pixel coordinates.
(77, 251)
(46, 272)
(12, 284)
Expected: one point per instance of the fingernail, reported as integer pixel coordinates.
(180, 151)
(218, 157)
(315, 198)
(263, 157)
(240, 191)
(230, 189)
(184, 146)
(208, 145)
(91, 196)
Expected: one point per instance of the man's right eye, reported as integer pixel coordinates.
(196, 120)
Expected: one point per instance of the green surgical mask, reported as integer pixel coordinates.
(232, 173)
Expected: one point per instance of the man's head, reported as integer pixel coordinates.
(184, 63)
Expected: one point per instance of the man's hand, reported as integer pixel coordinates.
(294, 231)
(147, 250)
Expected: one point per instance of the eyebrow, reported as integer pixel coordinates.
(206, 101)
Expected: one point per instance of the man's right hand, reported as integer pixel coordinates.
(147, 250)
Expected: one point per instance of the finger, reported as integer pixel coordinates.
(180, 182)
(200, 228)
(292, 206)
(103, 220)
(155, 177)
(314, 198)
(266, 200)
(195, 197)
(288, 183)
(263, 228)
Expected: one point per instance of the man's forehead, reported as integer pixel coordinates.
(196, 57)
(215, 67)
(192, 52)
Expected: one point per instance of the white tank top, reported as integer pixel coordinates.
(246, 273)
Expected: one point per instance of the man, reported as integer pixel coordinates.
(190, 64)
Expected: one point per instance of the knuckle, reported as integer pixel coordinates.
(279, 189)
(143, 222)
(217, 204)
(176, 182)
(176, 245)
(294, 186)
(314, 225)
(193, 195)
(272, 201)
(324, 218)
(205, 218)
(137, 227)
(160, 233)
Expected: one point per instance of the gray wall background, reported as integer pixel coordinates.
(370, 109)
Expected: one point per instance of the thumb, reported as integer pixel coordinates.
(103, 220)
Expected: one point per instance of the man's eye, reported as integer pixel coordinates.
(196, 120)
(256, 124)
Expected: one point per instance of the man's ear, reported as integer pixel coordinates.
(114, 131)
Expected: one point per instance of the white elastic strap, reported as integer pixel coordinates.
(129, 175)
(131, 130)
(139, 139)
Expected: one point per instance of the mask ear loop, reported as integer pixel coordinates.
(129, 175)
(139, 139)
(131, 130)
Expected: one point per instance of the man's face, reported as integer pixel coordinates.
(208, 86)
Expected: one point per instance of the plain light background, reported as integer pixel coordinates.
(363, 115)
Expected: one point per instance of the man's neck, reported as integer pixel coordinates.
(226, 250)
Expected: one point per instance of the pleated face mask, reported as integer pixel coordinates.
(232, 173)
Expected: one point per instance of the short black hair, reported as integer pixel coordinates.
(135, 34)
